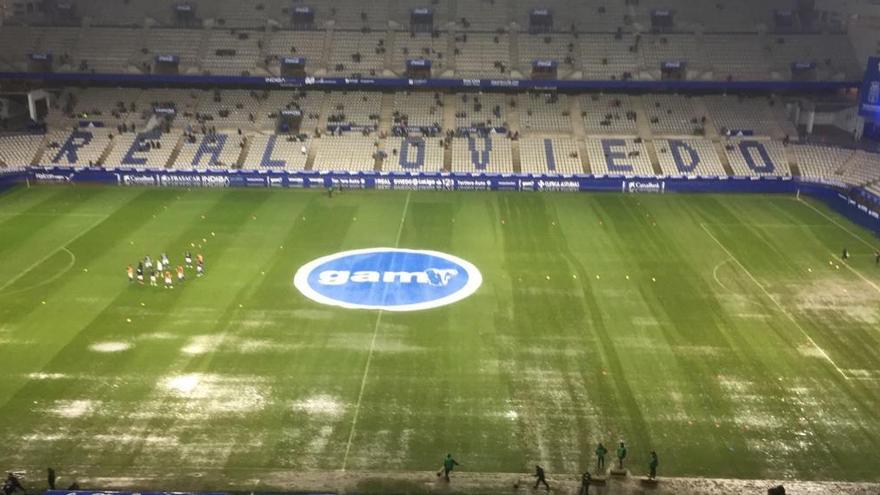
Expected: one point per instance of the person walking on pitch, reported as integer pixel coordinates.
(448, 465)
(540, 477)
(653, 465)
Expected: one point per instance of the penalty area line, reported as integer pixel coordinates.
(52, 253)
(357, 406)
(773, 299)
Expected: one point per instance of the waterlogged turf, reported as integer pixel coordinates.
(722, 331)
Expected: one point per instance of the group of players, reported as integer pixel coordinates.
(162, 268)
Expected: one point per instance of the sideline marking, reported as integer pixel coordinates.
(778, 305)
(52, 253)
(853, 234)
(835, 222)
(357, 406)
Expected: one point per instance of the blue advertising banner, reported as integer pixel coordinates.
(846, 206)
(404, 83)
(869, 96)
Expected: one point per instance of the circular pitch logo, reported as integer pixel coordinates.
(390, 279)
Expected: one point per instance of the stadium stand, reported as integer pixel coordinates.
(609, 114)
(349, 153)
(562, 48)
(183, 43)
(142, 150)
(231, 52)
(819, 163)
(209, 151)
(358, 54)
(359, 109)
(79, 148)
(482, 154)
(433, 47)
(756, 158)
(482, 55)
(277, 152)
(417, 110)
(550, 156)
(17, 151)
(487, 110)
(673, 115)
(548, 112)
(415, 154)
(307, 44)
(619, 157)
(688, 158)
(760, 116)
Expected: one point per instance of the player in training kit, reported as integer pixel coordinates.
(180, 274)
(200, 269)
(140, 273)
(165, 260)
(169, 282)
(153, 278)
(600, 457)
(845, 254)
(130, 271)
(188, 259)
(148, 262)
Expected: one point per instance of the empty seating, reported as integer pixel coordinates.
(482, 55)
(548, 112)
(18, 151)
(349, 153)
(608, 114)
(688, 158)
(673, 115)
(482, 155)
(357, 53)
(550, 156)
(183, 43)
(755, 158)
(820, 163)
(761, 116)
(354, 108)
(306, 44)
(417, 110)
(276, 152)
(422, 154)
(214, 151)
(142, 150)
(481, 110)
(80, 148)
(231, 52)
(421, 46)
(619, 157)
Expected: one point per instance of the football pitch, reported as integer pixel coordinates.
(722, 331)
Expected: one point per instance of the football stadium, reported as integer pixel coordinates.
(440, 246)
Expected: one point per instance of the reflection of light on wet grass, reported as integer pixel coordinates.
(110, 346)
(182, 384)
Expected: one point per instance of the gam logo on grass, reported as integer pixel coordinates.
(390, 279)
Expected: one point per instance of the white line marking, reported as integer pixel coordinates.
(51, 253)
(49, 280)
(859, 274)
(778, 305)
(835, 222)
(357, 406)
(715, 274)
(856, 236)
